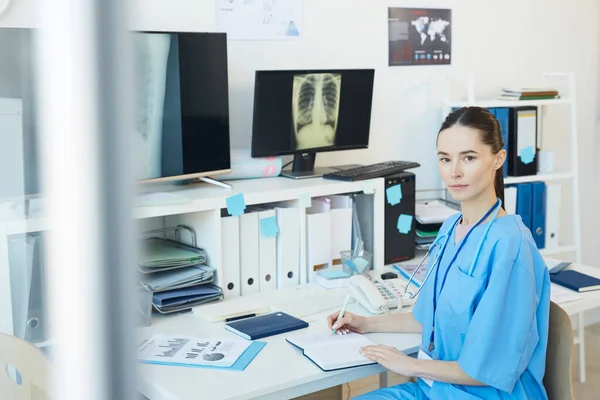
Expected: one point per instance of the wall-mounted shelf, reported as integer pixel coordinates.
(507, 103)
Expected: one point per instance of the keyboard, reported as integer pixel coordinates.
(371, 171)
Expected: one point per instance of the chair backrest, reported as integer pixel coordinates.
(558, 380)
(32, 366)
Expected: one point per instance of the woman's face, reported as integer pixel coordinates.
(467, 165)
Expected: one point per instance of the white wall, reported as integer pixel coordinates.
(501, 43)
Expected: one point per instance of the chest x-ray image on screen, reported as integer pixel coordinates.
(315, 109)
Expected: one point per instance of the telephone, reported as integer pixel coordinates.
(377, 297)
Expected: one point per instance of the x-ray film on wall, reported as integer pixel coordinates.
(315, 109)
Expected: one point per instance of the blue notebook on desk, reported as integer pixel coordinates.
(265, 325)
(575, 281)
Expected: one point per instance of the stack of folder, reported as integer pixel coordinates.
(177, 275)
(159, 254)
(430, 215)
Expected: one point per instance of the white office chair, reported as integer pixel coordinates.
(33, 368)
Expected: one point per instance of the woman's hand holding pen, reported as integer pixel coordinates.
(348, 323)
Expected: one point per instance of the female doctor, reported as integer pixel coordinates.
(483, 312)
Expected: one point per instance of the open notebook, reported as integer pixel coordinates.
(332, 351)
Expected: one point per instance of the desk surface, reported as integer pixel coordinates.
(279, 370)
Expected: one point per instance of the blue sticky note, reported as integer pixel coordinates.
(268, 226)
(394, 194)
(404, 223)
(527, 155)
(236, 204)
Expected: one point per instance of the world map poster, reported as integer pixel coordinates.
(419, 36)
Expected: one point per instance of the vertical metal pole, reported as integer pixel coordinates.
(83, 118)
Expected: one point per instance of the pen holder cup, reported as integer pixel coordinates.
(356, 265)
(143, 299)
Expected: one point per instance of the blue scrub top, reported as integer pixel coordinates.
(495, 322)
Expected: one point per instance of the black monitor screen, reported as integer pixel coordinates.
(309, 111)
(182, 101)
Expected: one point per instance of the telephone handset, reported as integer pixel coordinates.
(377, 297)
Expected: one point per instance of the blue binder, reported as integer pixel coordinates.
(538, 219)
(524, 203)
(502, 117)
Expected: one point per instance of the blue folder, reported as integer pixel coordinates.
(502, 117)
(538, 218)
(524, 203)
(241, 363)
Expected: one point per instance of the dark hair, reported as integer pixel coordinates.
(490, 132)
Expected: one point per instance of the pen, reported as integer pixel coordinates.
(341, 314)
(240, 317)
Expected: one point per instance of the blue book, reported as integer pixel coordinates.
(575, 281)
(265, 325)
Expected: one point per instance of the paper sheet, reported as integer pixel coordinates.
(433, 211)
(259, 19)
(560, 294)
(186, 350)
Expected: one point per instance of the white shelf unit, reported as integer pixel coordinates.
(572, 175)
(202, 212)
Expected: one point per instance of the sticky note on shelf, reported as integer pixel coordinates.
(404, 223)
(236, 204)
(367, 187)
(305, 200)
(527, 154)
(268, 226)
(393, 194)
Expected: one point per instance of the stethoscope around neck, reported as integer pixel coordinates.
(445, 237)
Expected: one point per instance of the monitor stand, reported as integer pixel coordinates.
(203, 179)
(304, 168)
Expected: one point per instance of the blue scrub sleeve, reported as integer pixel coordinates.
(502, 334)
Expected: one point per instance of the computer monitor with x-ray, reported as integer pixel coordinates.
(302, 112)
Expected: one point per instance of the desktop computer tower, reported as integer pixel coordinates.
(399, 245)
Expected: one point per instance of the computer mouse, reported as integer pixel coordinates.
(388, 275)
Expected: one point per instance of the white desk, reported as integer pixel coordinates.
(279, 371)
(589, 301)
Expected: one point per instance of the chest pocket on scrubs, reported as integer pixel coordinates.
(460, 298)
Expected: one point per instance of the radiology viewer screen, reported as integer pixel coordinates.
(297, 111)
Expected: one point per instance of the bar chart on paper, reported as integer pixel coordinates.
(191, 351)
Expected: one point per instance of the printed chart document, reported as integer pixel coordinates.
(259, 19)
(331, 351)
(191, 351)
